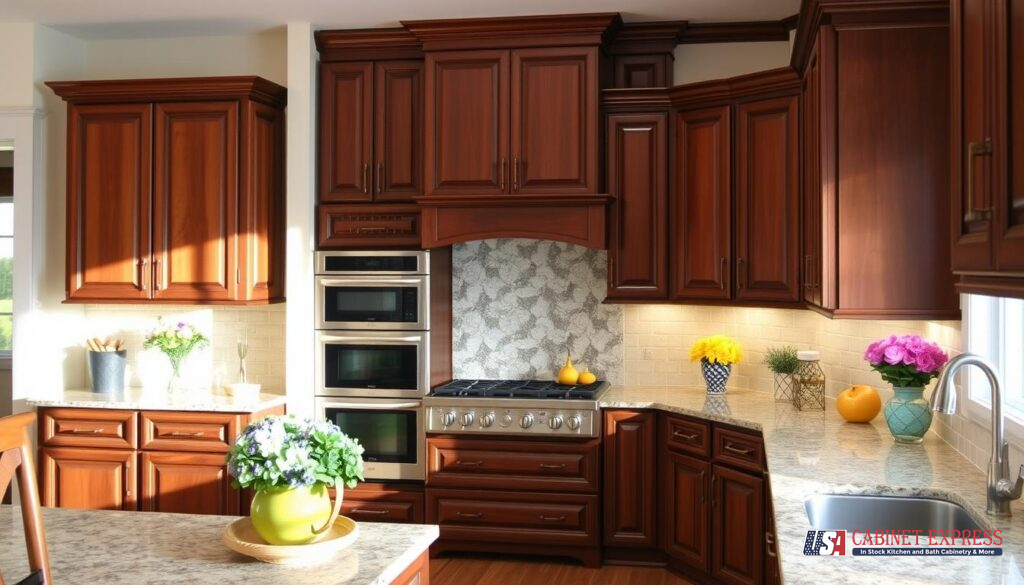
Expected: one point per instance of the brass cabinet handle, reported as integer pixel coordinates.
(975, 149)
(142, 273)
(515, 173)
(366, 177)
(721, 273)
(702, 494)
(85, 431)
(684, 436)
(469, 463)
(371, 229)
(739, 272)
(502, 170)
(469, 514)
(127, 479)
(366, 511)
(552, 466)
(745, 452)
(714, 480)
(552, 518)
(158, 278)
(194, 435)
(380, 178)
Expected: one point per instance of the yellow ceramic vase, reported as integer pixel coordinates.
(283, 515)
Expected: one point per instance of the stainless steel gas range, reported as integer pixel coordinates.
(515, 407)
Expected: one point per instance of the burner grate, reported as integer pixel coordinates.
(535, 389)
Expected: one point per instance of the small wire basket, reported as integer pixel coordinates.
(809, 381)
(785, 388)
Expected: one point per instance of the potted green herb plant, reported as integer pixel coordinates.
(783, 363)
(291, 463)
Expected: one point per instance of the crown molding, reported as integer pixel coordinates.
(167, 89)
(516, 31)
(367, 44)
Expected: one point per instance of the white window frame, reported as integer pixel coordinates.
(980, 313)
(5, 354)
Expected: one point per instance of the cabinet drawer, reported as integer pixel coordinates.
(688, 435)
(87, 427)
(514, 517)
(381, 502)
(367, 226)
(204, 432)
(738, 449)
(527, 465)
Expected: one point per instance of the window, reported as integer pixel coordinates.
(995, 330)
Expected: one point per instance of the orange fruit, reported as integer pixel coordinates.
(858, 404)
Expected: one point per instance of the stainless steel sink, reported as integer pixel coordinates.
(848, 512)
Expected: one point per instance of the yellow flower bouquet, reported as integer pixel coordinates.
(716, 349)
(716, 354)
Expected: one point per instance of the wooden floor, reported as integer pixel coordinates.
(465, 569)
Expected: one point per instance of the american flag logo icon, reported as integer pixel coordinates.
(825, 543)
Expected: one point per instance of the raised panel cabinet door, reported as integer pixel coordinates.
(187, 483)
(737, 527)
(398, 130)
(554, 120)
(701, 205)
(346, 131)
(1009, 213)
(767, 257)
(637, 180)
(195, 201)
(108, 201)
(630, 489)
(466, 127)
(261, 213)
(811, 205)
(87, 479)
(684, 516)
(974, 100)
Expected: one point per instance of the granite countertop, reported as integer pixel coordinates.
(815, 452)
(141, 399)
(148, 547)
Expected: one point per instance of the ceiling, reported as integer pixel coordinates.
(98, 19)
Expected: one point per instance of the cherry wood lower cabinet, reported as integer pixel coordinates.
(630, 487)
(160, 461)
(685, 521)
(515, 496)
(418, 573)
(737, 526)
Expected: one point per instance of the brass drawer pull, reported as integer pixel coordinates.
(367, 511)
(371, 229)
(552, 466)
(684, 436)
(745, 452)
(366, 178)
(469, 463)
(194, 435)
(472, 515)
(553, 518)
(702, 494)
(380, 178)
(85, 431)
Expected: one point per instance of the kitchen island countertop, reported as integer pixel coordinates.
(145, 399)
(815, 452)
(149, 547)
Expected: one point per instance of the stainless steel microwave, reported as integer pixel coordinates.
(390, 431)
(372, 364)
(385, 291)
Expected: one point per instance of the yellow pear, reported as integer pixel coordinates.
(568, 374)
(587, 377)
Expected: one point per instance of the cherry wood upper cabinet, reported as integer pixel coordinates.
(630, 490)
(171, 199)
(109, 158)
(701, 203)
(467, 123)
(398, 130)
(346, 131)
(637, 179)
(554, 120)
(195, 199)
(988, 146)
(767, 200)
(812, 211)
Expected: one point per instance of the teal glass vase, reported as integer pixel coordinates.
(908, 415)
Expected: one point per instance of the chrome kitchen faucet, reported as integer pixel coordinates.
(1001, 489)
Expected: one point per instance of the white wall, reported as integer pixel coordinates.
(704, 61)
(16, 64)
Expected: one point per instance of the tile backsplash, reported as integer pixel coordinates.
(215, 365)
(518, 304)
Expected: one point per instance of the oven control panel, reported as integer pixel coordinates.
(513, 421)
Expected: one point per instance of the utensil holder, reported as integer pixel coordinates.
(107, 369)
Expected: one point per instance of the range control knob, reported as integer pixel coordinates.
(527, 421)
(555, 422)
(506, 420)
(574, 422)
(467, 418)
(448, 418)
(487, 419)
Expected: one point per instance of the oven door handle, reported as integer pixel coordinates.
(389, 340)
(372, 405)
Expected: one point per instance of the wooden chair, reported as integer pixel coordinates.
(16, 455)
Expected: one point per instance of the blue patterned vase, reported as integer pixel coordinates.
(908, 415)
(716, 376)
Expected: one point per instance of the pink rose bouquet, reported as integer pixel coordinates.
(906, 360)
